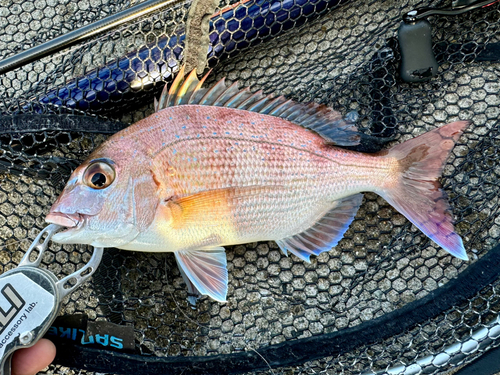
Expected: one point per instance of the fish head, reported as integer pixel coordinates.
(109, 199)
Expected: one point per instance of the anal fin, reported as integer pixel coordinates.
(206, 271)
(326, 232)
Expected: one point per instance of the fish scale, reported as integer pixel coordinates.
(193, 178)
(250, 158)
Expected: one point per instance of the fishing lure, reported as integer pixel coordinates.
(243, 24)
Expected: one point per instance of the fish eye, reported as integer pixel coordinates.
(99, 175)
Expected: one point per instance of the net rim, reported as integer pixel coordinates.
(296, 352)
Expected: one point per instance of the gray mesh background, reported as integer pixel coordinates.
(345, 59)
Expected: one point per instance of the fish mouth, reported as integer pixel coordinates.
(69, 221)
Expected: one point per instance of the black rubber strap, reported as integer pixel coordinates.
(32, 123)
(487, 364)
(467, 52)
(490, 52)
(456, 292)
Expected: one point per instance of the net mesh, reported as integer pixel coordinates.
(346, 57)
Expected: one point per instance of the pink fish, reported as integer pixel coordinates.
(222, 166)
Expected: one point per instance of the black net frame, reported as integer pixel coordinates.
(343, 55)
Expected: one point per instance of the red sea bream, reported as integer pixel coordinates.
(222, 166)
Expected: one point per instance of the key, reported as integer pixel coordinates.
(31, 297)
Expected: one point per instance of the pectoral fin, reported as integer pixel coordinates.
(206, 271)
(212, 208)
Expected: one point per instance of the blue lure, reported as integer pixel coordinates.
(231, 30)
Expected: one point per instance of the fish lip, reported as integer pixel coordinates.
(66, 220)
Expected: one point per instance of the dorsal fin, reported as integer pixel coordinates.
(318, 117)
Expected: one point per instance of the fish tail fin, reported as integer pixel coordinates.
(417, 193)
